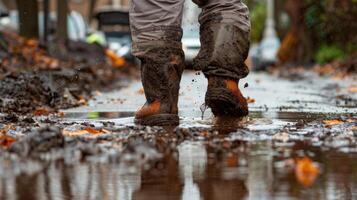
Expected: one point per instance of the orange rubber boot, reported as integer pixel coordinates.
(161, 70)
(224, 98)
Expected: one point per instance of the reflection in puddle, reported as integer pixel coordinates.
(193, 164)
(193, 171)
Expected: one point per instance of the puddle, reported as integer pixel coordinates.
(257, 157)
(195, 171)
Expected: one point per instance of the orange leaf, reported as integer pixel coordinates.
(82, 100)
(306, 171)
(41, 111)
(204, 133)
(332, 122)
(31, 43)
(92, 131)
(250, 100)
(60, 114)
(116, 60)
(232, 160)
(352, 89)
(87, 130)
(6, 141)
(140, 91)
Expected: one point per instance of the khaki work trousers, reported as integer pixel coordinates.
(158, 23)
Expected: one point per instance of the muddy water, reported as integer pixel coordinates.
(256, 170)
(201, 161)
(258, 157)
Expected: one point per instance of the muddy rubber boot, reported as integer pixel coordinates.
(224, 98)
(161, 70)
(221, 58)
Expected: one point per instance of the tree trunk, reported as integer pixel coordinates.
(92, 4)
(46, 12)
(28, 18)
(62, 12)
(297, 45)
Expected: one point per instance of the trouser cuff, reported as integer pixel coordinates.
(159, 36)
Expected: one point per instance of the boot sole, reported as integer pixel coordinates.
(159, 120)
(224, 103)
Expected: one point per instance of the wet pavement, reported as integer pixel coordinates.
(299, 142)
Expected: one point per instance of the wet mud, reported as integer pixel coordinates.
(284, 149)
(250, 158)
(24, 92)
(58, 75)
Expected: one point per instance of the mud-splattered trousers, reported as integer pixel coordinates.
(224, 30)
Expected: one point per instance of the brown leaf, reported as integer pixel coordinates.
(6, 141)
(306, 171)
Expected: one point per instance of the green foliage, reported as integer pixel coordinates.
(258, 15)
(328, 53)
(332, 22)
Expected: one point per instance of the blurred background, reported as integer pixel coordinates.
(284, 32)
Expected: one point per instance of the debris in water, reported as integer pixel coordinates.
(6, 141)
(250, 100)
(332, 122)
(306, 171)
(41, 111)
(203, 108)
(141, 91)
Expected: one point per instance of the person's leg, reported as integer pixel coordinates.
(225, 30)
(156, 32)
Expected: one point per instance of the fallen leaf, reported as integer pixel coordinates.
(87, 130)
(351, 120)
(352, 89)
(97, 93)
(82, 100)
(117, 61)
(41, 111)
(283, 136)
(232, 160)
(74, 133)
(250, 100)
(6, 141)
(204, 133)
(140, 91)
(332, 122)
(92, 130)
(60, 114)
(306, 171)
